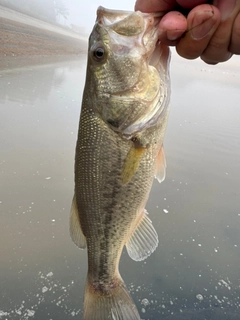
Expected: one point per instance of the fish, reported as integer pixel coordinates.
(119, 151)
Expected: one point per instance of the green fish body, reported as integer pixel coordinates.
(119, 152)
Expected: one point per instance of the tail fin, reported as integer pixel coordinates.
(116, 304)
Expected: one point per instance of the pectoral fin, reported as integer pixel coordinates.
(131, 163)
(75, 227)
(160, 172)
(144, 239)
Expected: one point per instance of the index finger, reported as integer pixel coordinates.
(154, 5)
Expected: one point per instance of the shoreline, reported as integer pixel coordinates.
(26, 36)
(19, 62)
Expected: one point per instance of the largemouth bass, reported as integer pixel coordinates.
(119, 151)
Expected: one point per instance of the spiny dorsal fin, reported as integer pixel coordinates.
(144, 239)
(160, 172)
(75, 228)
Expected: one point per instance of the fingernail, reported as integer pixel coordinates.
(174, 34)
(202, 24)
(225, 7)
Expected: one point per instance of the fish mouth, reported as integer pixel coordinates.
(145, 93)
(139, 29)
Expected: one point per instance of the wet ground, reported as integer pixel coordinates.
(194, 273)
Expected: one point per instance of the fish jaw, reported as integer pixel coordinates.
(133, 54)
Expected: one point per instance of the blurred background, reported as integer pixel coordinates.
(194, 273)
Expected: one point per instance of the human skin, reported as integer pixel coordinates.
(209, 31)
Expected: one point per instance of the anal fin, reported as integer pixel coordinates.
(144, 239)
(75, 227)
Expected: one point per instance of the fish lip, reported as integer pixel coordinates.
(108, 16)
(160, 58)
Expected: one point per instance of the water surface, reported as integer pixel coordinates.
(194, 273)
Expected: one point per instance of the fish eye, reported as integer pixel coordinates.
(99, 53)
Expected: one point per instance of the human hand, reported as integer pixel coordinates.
(210, 31)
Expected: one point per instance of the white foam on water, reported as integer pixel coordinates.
(50, 290)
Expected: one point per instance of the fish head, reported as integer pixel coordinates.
(127, 69)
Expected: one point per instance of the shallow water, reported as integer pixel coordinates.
(194, 273)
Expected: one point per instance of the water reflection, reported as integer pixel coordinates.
(40, 108)
(27, 84)
(194, 274)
